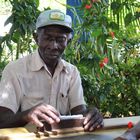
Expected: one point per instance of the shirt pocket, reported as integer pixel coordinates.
(63, 97)
(63, 104)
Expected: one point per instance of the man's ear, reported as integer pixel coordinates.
(69, 37)
(35, 36)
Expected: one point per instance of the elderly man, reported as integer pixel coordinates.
(43, 86)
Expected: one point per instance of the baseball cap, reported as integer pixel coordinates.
(54, 17)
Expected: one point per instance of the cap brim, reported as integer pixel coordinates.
(67, 29)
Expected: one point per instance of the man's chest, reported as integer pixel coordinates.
(40, 87)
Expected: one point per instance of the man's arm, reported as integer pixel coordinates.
(9, 119)
(131, 134)
(34, 115)
(93, 119)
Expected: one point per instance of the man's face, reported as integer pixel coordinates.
(52, 41)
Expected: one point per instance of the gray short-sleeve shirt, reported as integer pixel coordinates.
(27, 82)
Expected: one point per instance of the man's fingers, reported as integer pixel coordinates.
(90, 115)
(50, 112)
(93, 120)
(49, 107)
(46, 118)
(36, 121)
(51, 115)
(88, 118)
(42, 112)
(93, 124)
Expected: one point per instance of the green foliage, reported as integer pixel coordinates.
(19, 39)
(19, 36)
(106, 51)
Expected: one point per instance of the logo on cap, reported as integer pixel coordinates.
(57, 16)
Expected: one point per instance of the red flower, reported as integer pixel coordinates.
(112, 34)
(88, 6)
(101, 64)
(105, 60)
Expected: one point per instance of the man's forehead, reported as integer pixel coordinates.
(55, 34)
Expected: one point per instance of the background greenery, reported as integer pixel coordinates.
(105, 48)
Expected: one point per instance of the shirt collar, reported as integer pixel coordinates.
(62, 66)
(37, 63)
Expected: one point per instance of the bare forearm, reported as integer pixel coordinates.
(34, 115)
(81, 109)
(9, 119)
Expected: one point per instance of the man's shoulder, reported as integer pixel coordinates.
(19, 64)
(69, 66)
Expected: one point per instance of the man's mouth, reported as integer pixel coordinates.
(53, 55)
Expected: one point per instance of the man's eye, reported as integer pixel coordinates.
(57, 39)
(48, 39)
(61, 39)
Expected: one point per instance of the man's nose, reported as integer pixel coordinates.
(54, 44)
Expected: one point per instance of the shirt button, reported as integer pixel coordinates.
(62, 95)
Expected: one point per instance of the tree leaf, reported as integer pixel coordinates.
(116, 7)
(9, 20)
(128, 19)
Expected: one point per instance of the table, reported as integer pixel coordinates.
(112, 128)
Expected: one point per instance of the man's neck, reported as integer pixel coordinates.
(51, 66)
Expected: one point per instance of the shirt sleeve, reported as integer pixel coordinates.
(76, 96)
(9, 90)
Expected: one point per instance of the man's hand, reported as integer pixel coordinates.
(93, 120)
(42, 112)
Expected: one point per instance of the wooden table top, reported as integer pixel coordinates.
(112, 128)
